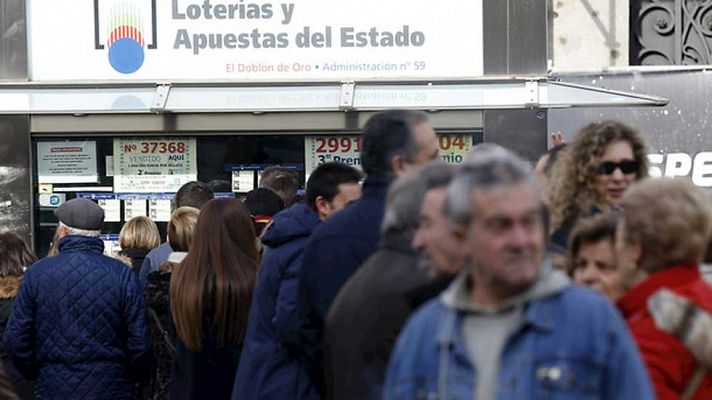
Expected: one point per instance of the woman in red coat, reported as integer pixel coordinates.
(661, 238)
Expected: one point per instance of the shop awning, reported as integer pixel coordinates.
(228, 97)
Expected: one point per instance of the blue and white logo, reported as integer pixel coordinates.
(126, 39)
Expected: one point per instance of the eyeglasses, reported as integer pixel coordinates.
(626, 167)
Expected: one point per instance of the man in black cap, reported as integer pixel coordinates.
(77, 326)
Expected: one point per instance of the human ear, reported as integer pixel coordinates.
(397, 165)
(323, 207)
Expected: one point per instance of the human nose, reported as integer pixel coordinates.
(521, 236)
(589, 275)
(418, 242)
(617, 174)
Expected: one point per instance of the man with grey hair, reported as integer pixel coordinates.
(371, 308)
(77, 325)
(506, 329)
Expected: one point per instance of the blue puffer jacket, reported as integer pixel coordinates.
(267, 368)
(77, 325)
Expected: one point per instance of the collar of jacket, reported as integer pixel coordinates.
(134, 252)
(637, 298)
(73, 243)
(539, 314)
(377, 185)
(9, 285)
(397, 242)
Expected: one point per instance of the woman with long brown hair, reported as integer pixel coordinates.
(15, 257)
(210, 301)
(157, 301)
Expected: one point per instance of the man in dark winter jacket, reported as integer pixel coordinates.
(268, 369)
(77, 325)
(370, 310)
(393, 142)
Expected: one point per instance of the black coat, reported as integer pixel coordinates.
(137, 257)
(160, 326)
(210, 372)
(334, 252)
(367, 316)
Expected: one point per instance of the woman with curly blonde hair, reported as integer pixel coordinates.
(592, 174)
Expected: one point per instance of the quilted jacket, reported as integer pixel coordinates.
(77, 325)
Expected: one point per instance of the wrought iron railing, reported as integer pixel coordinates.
(671, 32)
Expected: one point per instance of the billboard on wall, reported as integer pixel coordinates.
(254, 39)
(678, 136)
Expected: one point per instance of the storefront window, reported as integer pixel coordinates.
(138, 175)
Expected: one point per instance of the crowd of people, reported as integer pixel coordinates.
(411, 279)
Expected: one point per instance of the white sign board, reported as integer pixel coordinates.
(153, 165)
(254, 40)
(322, 149)
(453, 148)
(66, 162)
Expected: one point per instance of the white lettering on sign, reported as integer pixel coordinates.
(671, 165)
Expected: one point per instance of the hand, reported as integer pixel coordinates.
(557, 138)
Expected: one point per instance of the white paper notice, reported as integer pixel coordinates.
(67, 162)
(159, 210)
(134, 208)
(243, 181)
(112, 209)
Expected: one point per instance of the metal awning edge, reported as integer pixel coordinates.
(167, 97)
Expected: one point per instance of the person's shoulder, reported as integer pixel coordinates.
(337, 221)
(44, 266)
(579, 295)
(353, 222)
(162, 251)
(577, 305)
(42, 263)
(427, 319)
(361, 290)
(699, 292)
(115, 266)
(158, 277)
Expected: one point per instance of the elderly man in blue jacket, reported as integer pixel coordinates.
(77, 325)
(505, 329)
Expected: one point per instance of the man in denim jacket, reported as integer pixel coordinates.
(505, 329)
